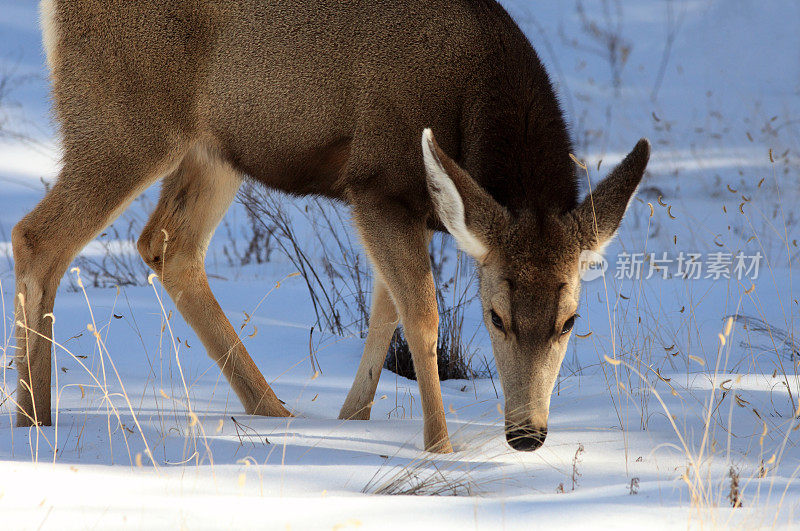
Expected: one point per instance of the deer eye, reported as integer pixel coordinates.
(568, 326)
(496, 321)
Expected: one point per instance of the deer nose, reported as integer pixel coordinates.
(526, 439)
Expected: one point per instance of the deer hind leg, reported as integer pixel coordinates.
(89, 194)
(397, 243)
(193, 201)
(383, 320)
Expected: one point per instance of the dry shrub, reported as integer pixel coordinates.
(339, 281)
(433, 475)
(334, 269)
(249, 244)
(734, 495)
(423, 480)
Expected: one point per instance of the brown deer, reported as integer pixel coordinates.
(327, 97)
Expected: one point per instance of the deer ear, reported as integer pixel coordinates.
(601, 213)
(464, 208)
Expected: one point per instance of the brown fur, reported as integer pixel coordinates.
(330, 98)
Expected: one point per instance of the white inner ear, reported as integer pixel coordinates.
(447, 201)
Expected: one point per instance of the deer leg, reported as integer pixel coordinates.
(87, 197)
(193, 201)
(383, 321)
(396, 241)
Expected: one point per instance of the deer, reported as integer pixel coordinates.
(338, 99)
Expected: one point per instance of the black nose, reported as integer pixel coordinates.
(526, 439)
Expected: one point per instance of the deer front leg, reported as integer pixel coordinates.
(396, 241)
(383, 321)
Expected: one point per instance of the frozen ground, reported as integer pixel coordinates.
(725, 123)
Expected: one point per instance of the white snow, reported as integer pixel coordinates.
(137, 448)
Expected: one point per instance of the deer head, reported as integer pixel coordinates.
(529, 271)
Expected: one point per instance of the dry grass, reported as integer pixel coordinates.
(641, 349)
(634, 356)
(337, 275)
(645, 341)
(316, 239)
